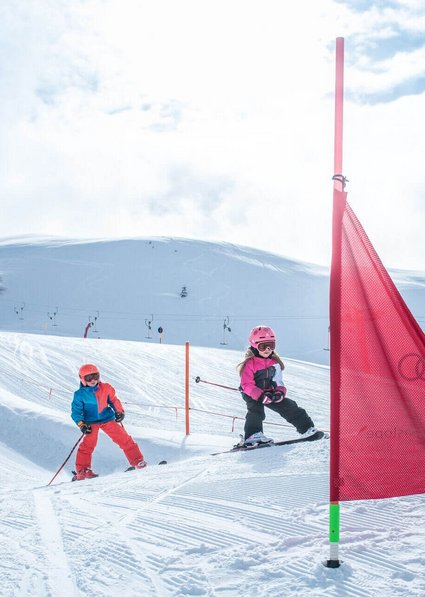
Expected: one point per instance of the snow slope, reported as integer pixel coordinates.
(229, 525)
(57, 287)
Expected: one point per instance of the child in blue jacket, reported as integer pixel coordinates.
(95, 406)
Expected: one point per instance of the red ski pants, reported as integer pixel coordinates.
(118, 434)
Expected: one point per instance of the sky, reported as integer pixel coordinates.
(212, 120)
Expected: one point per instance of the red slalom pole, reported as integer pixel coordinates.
(335, 309)
(339, 112)
(69, 456)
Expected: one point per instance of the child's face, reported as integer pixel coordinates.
(266, 348)
(91, 379)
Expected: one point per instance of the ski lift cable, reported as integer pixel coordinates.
(133, 314)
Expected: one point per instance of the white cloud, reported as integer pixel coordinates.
(207, 119)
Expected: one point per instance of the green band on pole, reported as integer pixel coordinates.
(334, 523)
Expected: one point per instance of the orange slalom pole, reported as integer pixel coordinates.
(187, 389)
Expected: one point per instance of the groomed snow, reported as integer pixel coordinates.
(229, 525)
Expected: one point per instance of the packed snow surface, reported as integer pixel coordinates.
(232, 525)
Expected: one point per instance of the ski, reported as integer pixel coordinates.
(133, 468)
(286, 442)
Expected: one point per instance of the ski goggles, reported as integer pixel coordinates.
(91, 377)
(262, 346)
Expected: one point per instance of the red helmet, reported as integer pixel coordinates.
(261, 333)
(86, 370)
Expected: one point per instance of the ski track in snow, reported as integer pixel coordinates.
(60, 579)
(194, 536)
(181, 532)
(215, 526)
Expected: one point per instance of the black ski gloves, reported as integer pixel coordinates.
(84, 427)
(270, 396)
(119, 417)
(278, 396)
(266, 397)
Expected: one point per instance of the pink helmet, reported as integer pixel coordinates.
(261, 333)
(86, 370)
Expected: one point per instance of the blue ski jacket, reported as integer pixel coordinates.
(95, 405)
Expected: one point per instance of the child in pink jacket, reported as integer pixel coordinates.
(262, 386)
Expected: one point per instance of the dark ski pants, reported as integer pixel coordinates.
(118, 434)
(288, 409)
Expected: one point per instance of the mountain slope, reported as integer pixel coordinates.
(125, 287)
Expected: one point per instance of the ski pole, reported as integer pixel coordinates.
(198, 380)
(69, 456)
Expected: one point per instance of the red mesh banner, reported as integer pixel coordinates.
(377, 373)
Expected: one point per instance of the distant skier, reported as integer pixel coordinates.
(95, 406)
(262, 385)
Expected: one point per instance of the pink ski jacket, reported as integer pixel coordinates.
(261, 374)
